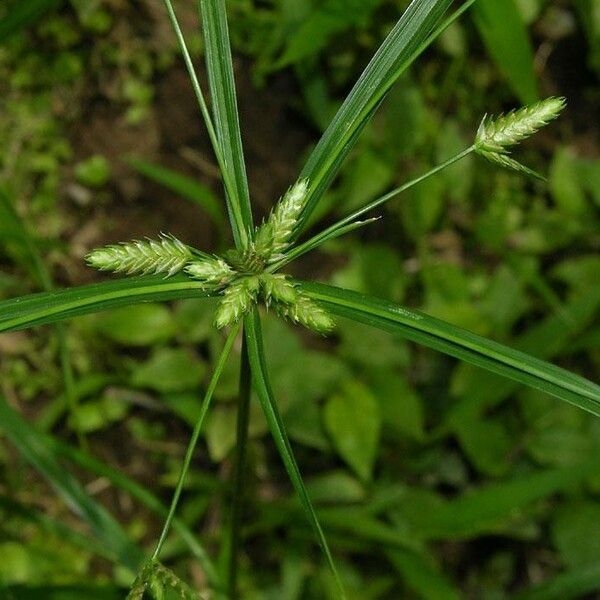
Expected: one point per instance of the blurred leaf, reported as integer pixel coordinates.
(565, 183)
(483, 510)
(353, 420)
(559, 445)
(335, 487)
(505, 36)
(183, 186)
(576, 533)
(328, 19)
(23, 14)
(95, 415)
(422, 207)
(574, 584)
(401, 407)
(142, 325)
(169, 370)
(43, 458)
(421, 575)
(63, 592)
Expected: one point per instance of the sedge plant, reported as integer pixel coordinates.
(249, 275)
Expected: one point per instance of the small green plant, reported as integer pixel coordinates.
(249, 274)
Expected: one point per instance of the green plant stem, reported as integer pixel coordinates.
(237, 503)
(237, 220)
(194, 439)
(332, 230)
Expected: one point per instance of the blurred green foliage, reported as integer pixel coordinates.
(432, 479)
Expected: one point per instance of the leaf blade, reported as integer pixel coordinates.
(219, 65)
(49, 307)
(403, 44)
(459, 343)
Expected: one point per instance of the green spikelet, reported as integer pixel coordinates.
(308, 313)
(167, 255)
(497, 135)
(278, 288)
(273, 236)
(213, 271)
(237, 300)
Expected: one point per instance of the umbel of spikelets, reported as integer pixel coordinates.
(239, 276)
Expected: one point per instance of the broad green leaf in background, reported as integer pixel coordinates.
(323, 22)
(43, 458)
(353, 419)
(505, 36)
(573, 584)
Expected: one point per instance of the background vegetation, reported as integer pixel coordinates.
(433, 479)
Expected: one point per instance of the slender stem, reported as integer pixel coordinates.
(194, 439)
(243, 423)
(230, 188)
(326, 234)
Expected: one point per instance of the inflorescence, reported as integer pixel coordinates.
(239, 276)
(245, 277)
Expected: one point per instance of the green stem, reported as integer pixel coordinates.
(243, 423)
(194, 439)
(230, 188)
(330, 232)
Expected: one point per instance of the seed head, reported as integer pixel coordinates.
(273, 236)
(238, 299)
(213, 271)
(308, 313)
(167, 255)
(278, 288)
(497, 135)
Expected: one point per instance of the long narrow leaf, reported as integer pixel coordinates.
(141, 494)
(262, 385)
(459, 343)
(224, 102)
(394, 56)
(49, 307)
(31, 446)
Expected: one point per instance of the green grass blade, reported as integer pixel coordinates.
(459, 343)
(183, 186)
(394, 56)
(142, 495)
(503, 32)
(262, 386)
(41, 456)
(195, 437)
(219, 65)
(49, 307)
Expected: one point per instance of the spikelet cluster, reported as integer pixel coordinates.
(496, 136)
(158, 579)
(238, 298)
(274, 235)
(213, 271)
(308, 313)
(239, 275)
(140, 257)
